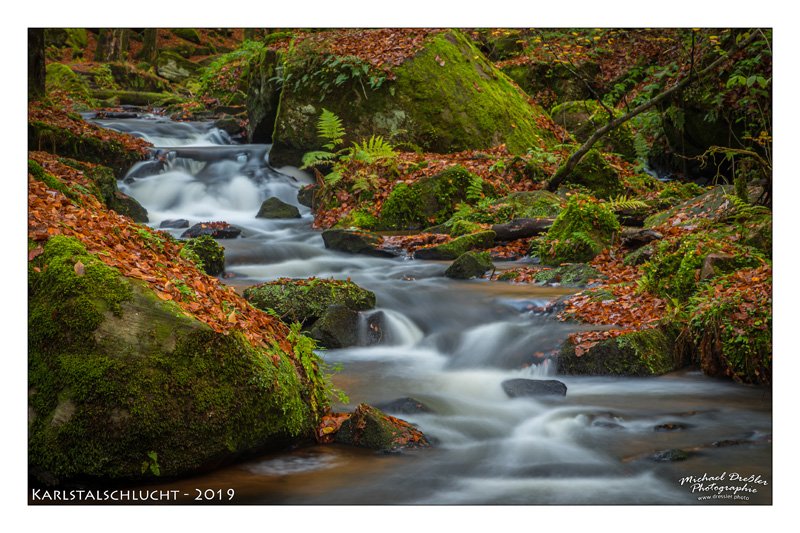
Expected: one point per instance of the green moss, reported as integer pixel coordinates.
(103, 77)
(187, 34)
(582, 118)
(595, 174)
(674, 268)
(117, 375)
(464, 227)
(306, 300)
(733, 336)
(358, 218)
(206, 253)
(470, 265)
(401, 208)
(712, 204)
(579, 233)
(456, 247)
(60, 77)
(640, 353)
(40, 174)
(577, 274)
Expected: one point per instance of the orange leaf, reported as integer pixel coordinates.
(79, 268)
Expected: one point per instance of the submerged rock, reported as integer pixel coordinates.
(405, 406)
(217, 230)
(124, 386)
(276, 208)
(521, 387)
(669, 456)
(469, 265)
(368, 427)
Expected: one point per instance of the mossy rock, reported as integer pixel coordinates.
(357, 218)
(137, 98)
(206, 253)
(711, 205)
(124, 386)
(453, 249)
(648, 352)
(276, 208)
(174, 67)
(464, 227)
(307, 300)
(733, 335)
(582, 118)
(470, 265)
(572, 275)
(354, 242)
(187, 34)
(430, 200)
(128, 77)
(60, 77)
(595, 174)
(370, 428)
(580, 232)
(60, 141)
(551, 82)
(532, 204)
(75, 38)
(447, 98)
(336, 328)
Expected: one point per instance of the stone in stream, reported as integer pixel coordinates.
(369, 427)
(521, 387)
(671, 426)
(307, 196)
(669, 456)
(522, 228)
(405, 406)
(453, 249)
(276, 208)
(177, 223)
(470, 265)
(354, 242)
(336, 328)
(218, 230)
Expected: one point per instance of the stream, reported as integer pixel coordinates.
(450, 344)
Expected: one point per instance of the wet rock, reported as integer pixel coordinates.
(570, 275)
(276, 208)
(354, 242)
(218, 230)
(176, 223)
(130, 207)
(231, 125)
(715, 264)
(206, 253)
(469, 265)
(306, 196)
(369, 427)
(522, 228)
(669, 456)
(376, 323)
(405, 406)
(637, 237)
(521, 387)
(336, 328)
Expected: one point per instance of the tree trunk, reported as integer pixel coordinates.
(149, 52)
(36, 67)
(112, 45)
(565, 170)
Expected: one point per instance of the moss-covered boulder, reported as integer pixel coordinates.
(579, 233)
(447, 98)
(276, 208)
(126, 386)
(649, 352)
(431, 200)
(306, 300)
(174, 67)
(354, 242)
(570, 275)
(453, 249)
(187, 34)
(470, 265)
(551, 82)
(60, 77)
(337, 327)
(713, 204)
(370, 428)
(594, 173)
(206, 253)
(131, 78)
(731, 325)
(115, 97)
(582, 118)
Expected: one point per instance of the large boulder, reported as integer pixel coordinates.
(217, 230)
(124, 386)
(173, 67)
(649, 352)
(337, 327)
(446, 98)
(370, 428)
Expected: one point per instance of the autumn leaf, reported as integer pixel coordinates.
(79, 268)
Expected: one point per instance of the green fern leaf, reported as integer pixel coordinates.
(333, 178)
(330, 128)
(312, 159)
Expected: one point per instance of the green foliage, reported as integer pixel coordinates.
(623, 203)
(317, 372)
(206, 253)
(330, 128)
(325, 73)
(401, 208)
(60, 77)
(226, 77)
(579, 233)
(463, 227)
(104, 78)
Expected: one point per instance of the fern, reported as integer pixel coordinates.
(313, 159)
(623, 203)
(333, 177)
(475, 189)
(373, 150)
(744, 211)
(330, 128)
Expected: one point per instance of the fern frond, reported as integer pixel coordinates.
(333, 178)
(312, 159)
(475, 189)
(330, 128)
(623, 203)
(743, 210)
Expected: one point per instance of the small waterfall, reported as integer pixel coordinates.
(388, 327)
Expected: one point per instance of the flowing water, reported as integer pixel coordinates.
(449, 344)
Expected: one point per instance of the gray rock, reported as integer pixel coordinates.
(404, 406)
(520, 387)
(174, 223)
(469, 265)
(638, 237)
(337, 328)
(354, 242)
(522, 228)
